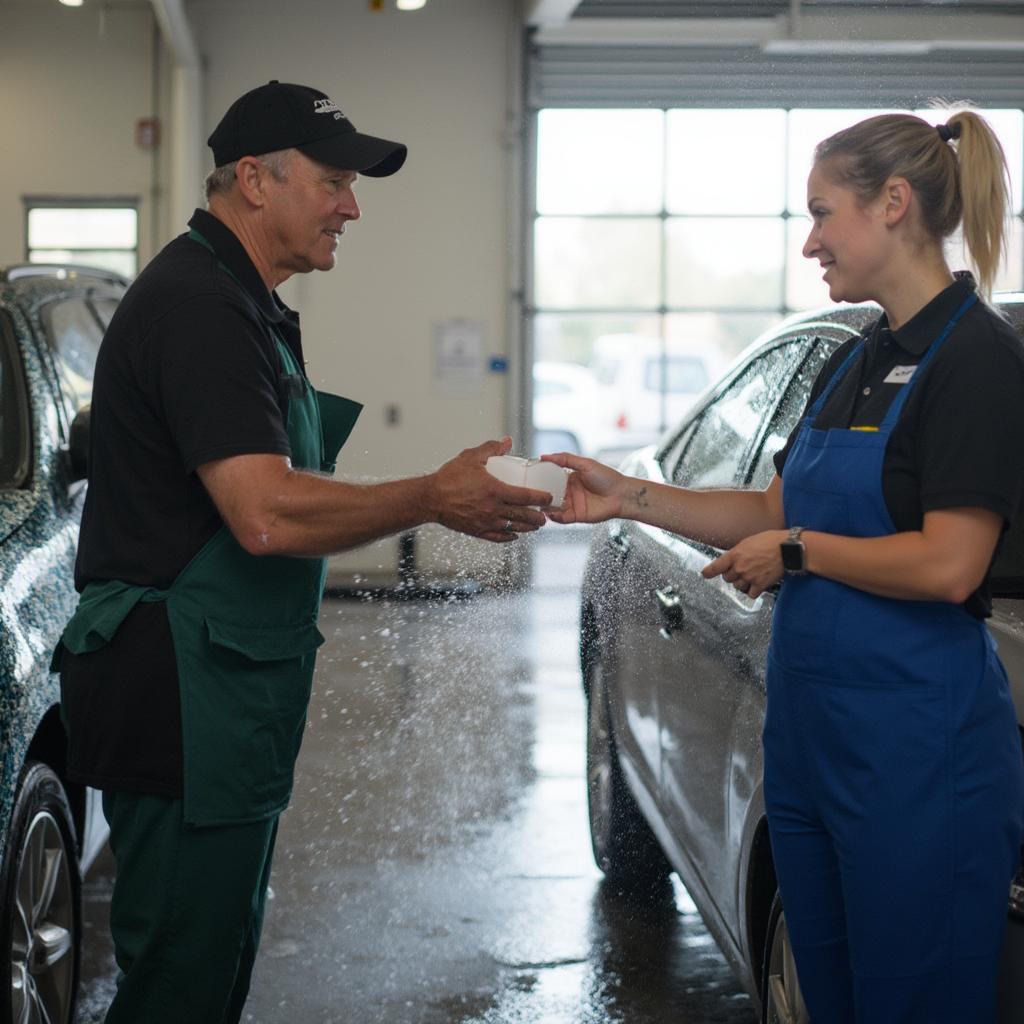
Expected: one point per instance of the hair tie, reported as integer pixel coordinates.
(947, 132)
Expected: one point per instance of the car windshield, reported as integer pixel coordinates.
(681, 374)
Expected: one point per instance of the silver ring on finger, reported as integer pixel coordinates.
(508, 526)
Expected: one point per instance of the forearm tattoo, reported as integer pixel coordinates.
(639, 497)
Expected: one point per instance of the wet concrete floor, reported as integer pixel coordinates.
(435, 867)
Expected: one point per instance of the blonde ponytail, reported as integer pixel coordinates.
(984, 193)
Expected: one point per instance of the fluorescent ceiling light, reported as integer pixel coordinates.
(410, 5)
(841, 47)
(72, 3)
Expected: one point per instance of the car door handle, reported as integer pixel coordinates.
(671, 606)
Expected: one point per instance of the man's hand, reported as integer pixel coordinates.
(594, 492)
(469, 500)
(753, 565)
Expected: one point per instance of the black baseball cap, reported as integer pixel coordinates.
(283, 116)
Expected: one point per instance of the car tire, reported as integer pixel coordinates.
(40, 930)
(781, 999)
(624, 846)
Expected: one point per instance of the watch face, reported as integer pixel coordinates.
(792, 556)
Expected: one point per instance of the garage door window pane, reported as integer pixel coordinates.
(1010, 276)
(571, 409)
(806, 129)
(597, 264)
(726, 161)
(580, 166)
(570, 338)
(735, 261)
(720, 336)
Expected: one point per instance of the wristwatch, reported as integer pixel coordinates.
(794, 554)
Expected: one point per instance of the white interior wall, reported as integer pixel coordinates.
(434, 242)
(74, 82)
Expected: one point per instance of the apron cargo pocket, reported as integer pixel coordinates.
(265, 643)
(244, 718)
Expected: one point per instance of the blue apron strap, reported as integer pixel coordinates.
(897, 406)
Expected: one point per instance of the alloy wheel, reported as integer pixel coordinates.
(785, 1001)
(42, 947)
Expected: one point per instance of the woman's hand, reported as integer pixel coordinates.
(594, 492)
(753, 565)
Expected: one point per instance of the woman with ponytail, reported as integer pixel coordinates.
(893, 784)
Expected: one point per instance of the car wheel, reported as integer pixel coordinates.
(781, 999)
(624, 847)
(41, 923)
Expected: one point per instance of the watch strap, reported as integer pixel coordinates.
(794, 555)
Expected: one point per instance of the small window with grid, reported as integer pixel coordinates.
(95, 233)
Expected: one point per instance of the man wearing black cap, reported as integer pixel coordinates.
(187, 668)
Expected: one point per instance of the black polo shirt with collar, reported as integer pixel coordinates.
(959, 441)
(188, 372)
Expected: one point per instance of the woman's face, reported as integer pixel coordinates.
(849, 239)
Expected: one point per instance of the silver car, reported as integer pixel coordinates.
(674, 673)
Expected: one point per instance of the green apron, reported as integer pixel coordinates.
(245, 637)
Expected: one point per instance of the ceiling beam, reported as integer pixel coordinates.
(812, 30)
(550, 12)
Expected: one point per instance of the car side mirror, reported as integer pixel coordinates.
(78, 444)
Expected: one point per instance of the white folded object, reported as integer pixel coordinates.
(532, 473)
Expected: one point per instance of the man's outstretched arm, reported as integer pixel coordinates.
(273, 509)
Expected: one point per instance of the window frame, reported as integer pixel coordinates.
(33, 202)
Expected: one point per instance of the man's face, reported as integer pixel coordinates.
(305, 215)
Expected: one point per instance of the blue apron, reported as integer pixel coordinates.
(893, 784)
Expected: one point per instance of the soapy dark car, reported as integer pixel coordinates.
(51, 322)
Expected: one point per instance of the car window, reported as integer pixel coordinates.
(730, 425)
(74, 335)
(789, 411)
(103, 306)
(14, 420)
(682, 374)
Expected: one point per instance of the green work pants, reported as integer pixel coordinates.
(186, 911)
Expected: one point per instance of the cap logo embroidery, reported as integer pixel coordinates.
(326, 106)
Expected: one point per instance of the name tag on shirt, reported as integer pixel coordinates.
(900, 374)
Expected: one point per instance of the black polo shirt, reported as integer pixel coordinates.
(188, 372)
(959, 441)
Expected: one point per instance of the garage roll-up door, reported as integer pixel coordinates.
(747, 76)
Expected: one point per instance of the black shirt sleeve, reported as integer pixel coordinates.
(215, 375)
(971, 421)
